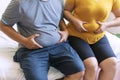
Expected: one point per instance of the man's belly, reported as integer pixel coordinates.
(47, 39)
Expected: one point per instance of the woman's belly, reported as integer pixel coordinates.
(91, 26)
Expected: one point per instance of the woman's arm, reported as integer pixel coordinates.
(68, 9)
(113, 23)
(116, 21)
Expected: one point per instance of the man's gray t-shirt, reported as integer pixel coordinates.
(36, 16)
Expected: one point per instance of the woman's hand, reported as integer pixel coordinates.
(79, 26)
(102, 28)
(30, 42)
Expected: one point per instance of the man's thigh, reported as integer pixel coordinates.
(65, 59)
(35, 65)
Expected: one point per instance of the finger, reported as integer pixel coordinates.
(34, 35)
(100, 23)
(83, 29)
(61, 36)
(98, 31)
(61, 40)
(36, 44)
(84, 22)
(39, 46)
(59, 32)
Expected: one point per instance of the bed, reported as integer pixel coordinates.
(10, 70)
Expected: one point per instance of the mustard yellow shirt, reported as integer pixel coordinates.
(91, 11)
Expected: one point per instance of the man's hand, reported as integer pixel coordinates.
(64, 36)
(30, 42)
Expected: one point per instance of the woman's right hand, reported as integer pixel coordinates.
(79, 26)
(30, 42)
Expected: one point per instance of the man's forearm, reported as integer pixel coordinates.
(10, 32)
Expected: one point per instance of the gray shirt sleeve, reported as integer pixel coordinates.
(11, 14)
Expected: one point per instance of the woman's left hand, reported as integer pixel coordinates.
(102, 28)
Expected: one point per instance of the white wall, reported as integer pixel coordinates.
(4, 3)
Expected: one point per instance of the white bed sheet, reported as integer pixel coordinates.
(10, 70)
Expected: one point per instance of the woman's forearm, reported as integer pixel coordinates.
(62, 25)
(114, 23)
(68, 15)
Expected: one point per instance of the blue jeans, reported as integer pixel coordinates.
(36, 63)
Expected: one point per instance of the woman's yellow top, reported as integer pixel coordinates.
(91, 11)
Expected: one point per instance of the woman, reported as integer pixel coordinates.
(87, 25)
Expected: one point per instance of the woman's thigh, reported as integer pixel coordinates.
(102, 49)
(83, 48)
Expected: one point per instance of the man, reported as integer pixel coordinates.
(42, 37)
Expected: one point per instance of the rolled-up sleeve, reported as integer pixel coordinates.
(11, 14)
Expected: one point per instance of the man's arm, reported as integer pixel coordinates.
(28, 42)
